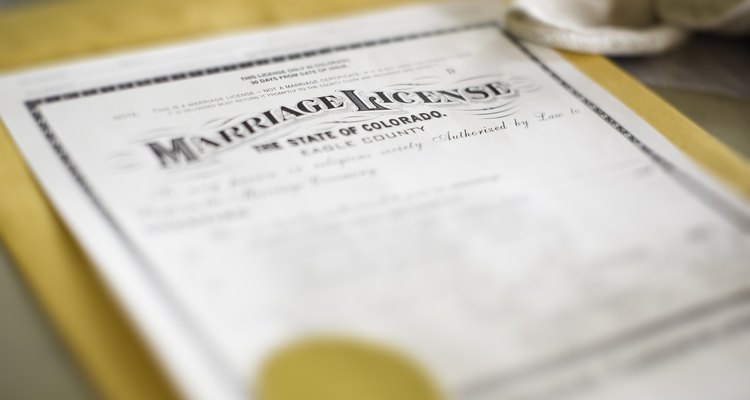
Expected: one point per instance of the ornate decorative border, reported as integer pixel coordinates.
(718, 204)
(711, 199)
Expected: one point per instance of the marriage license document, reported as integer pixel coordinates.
(417, 177)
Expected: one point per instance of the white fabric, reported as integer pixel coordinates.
(623, 27)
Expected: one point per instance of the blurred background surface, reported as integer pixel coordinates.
(707, 80)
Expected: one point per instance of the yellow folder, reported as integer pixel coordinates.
(65, 282)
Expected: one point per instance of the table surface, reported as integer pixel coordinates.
(34, 364)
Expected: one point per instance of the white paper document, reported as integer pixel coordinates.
(416, 177)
